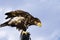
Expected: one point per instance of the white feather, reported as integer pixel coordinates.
(16, 20)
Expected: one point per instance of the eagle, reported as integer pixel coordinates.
(21, 20)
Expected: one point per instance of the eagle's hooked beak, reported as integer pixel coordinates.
(39, 24)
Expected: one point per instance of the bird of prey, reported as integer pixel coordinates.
(20, 19)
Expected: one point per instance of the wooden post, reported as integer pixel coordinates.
(25, 36)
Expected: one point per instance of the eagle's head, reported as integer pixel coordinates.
(36, 21)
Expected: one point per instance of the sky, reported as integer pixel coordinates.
(48, 11)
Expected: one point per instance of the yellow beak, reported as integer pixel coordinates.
(39, 24)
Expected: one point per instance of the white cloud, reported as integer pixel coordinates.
(40, 38)
(8, 34)
(2, 34)
(11, 37)
(53, 36)
(1, 8)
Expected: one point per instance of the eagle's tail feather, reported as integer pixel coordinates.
(4, 24)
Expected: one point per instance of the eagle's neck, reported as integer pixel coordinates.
(32, 21)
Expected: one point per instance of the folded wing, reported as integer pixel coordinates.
(17, 13)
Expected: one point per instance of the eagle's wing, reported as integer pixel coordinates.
(16, 20)
(14, 13)
(17, 13)
(13, 22)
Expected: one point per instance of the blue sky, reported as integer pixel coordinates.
(48, 11)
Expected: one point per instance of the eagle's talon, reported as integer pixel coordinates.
(25, 33)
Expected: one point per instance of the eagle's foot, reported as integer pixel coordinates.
(25, 33)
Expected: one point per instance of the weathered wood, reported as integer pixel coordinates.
(25, 36)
